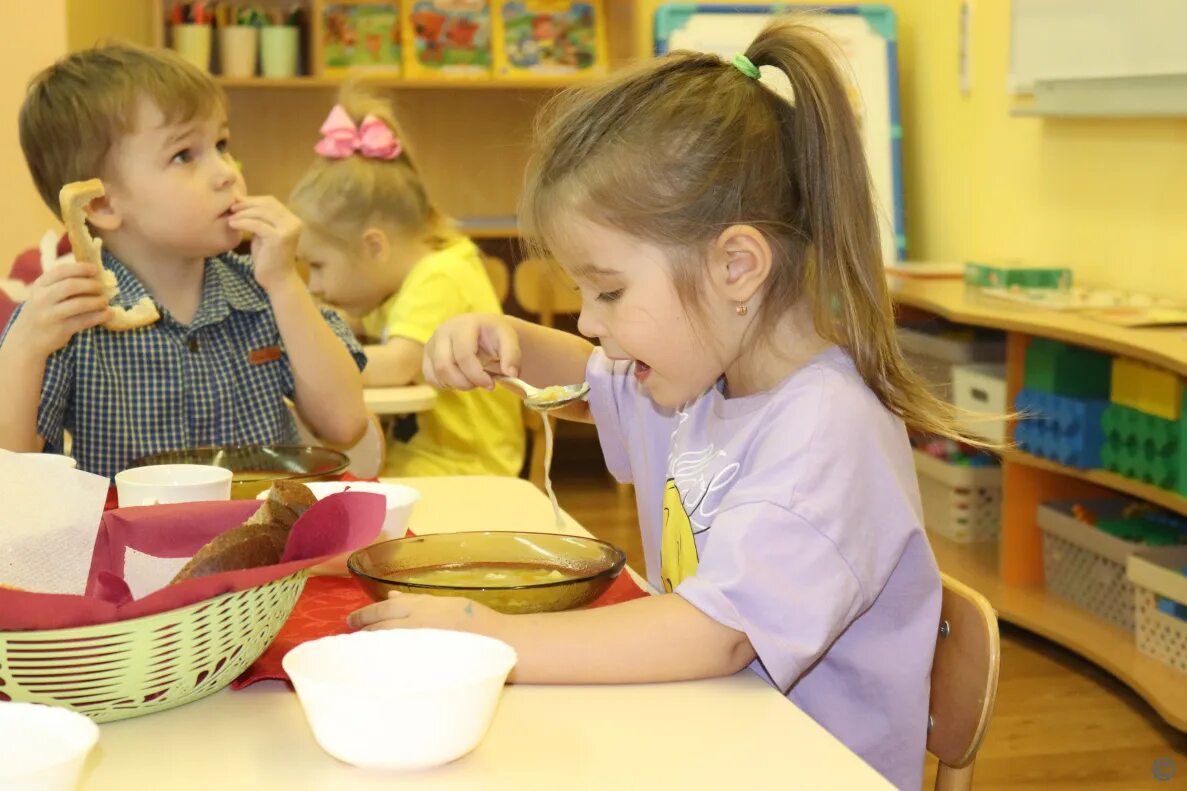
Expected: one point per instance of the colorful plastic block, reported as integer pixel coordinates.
(1146, 388)
(988, 276)
(1143, 532)
(1145, 447)
(1063, 429)
(1055, 367)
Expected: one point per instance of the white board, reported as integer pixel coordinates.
(1069, 39)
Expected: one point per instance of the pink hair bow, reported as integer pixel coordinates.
(341, 138)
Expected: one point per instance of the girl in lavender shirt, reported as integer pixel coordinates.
(747, 382)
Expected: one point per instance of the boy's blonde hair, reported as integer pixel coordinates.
(341, 197)
(75, 110)
(677, 150)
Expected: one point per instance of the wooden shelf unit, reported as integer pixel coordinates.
(1171, 501)
(397, 83)
(470, 137)
(1010, 572)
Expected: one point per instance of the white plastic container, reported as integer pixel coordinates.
(1160, 635)
(43, 748)
(960, 503)
(933, 354)
(981, 388)
(400, 501)
(1086, 565)
(400, 699)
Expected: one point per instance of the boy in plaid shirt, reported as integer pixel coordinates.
(236, 335)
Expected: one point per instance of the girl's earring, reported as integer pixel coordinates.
(742, 309)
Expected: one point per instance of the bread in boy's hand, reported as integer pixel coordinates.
(73, 200)
(259, 541)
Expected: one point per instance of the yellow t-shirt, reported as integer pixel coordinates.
(471, 433)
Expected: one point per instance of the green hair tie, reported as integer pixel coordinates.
(744, 65)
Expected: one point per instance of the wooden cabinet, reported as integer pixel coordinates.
(1010, 573)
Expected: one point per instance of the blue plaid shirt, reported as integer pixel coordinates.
(220, 380)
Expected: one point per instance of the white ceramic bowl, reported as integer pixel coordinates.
(400, 500)
(401, 698)
(43, 748)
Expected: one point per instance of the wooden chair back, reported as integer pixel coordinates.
(963, 683)
(542, 287)
(500, 277)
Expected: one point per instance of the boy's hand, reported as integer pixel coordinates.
(275, 231)
(464, 349)
(66, 299)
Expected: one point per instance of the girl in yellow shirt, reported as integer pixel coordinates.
(380, 251)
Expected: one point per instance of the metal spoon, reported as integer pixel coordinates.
(546, 399)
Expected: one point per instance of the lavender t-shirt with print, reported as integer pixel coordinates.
(793, 516)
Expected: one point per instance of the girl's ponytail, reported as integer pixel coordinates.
(843, 271)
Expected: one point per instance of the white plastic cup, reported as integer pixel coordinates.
(43, 748)
(278, 50)
(192, 42)
(56, 459)
(238, 47)
(172, 483)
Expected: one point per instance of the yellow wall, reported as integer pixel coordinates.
(89, 22)
(1107, 197)
(24, 216)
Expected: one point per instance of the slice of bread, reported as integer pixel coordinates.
(260, 541)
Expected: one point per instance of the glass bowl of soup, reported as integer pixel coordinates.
(511, 572)
(255, 467)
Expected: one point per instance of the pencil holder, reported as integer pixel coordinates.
(192, 42)
(278, 50)
(238, 48)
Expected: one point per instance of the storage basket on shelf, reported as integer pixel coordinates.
(960, 502)
(980, 388)
(1160, 606)
(1086, 565)
(933, 349)
(115, 671)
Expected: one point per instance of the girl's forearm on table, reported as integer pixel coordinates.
(658, 638)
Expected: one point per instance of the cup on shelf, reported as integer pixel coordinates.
(278, 50)
(238, 47)
(192, 42)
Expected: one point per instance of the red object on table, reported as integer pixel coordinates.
(326, 601)
(333, 526)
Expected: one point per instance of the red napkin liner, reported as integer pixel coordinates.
(326, 601)
(339, 523)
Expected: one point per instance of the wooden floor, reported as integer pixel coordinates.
(1060, 723)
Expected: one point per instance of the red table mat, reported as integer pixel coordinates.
(326, 601)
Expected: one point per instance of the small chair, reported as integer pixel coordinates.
(499, 274)
(963, 683)
(541, 287)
